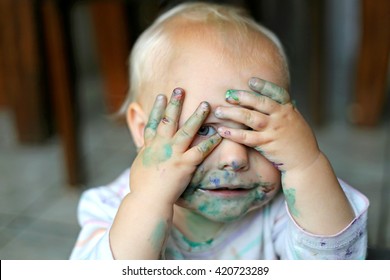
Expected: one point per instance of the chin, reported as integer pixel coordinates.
(222, 210)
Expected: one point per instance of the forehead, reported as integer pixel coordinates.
(206, 71)
(206, 62)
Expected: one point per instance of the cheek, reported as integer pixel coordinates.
(260, 164)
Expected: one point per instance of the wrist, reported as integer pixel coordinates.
(319, 164)
(149, 204)
(309, 159)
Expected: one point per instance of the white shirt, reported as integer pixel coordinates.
(266, 233)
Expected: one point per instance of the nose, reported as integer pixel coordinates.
(232, 156)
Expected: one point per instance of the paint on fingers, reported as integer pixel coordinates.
(224, 132)
(177, 97)
(231, 96)
(173, 109)
(270, 90)
(198, 117)
(156, 114)
(207, 145)
(152, 124)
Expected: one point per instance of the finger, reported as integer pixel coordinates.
(248, 138)
(155, 117)
(269, 89)
(186, 133)
(250, 118)
(199, 152)
(169, 123)
(252, 100)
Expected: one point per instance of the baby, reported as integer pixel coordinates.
(227, 168)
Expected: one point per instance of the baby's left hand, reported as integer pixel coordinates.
(275, 128)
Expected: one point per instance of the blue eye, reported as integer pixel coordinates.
(206, 130)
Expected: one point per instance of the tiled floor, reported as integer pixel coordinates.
(38, 211)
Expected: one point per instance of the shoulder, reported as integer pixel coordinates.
(117, 188)
(104, 200)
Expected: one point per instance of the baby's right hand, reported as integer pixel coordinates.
(165, 164)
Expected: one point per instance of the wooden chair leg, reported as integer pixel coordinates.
(62, 87)
(4, 103)
(113, 44)
(24, 70)
(373, 62)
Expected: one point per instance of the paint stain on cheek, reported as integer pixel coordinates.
(267, 189)
(228, 175)
(260, 195)
(215, 181)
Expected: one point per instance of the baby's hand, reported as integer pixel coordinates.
(275, 127)
(164, 166)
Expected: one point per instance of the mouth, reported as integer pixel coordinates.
(227, 191)
(225, 187)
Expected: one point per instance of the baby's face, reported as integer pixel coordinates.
(234, 179)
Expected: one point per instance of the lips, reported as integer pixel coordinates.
(227, 192)
(227, 188)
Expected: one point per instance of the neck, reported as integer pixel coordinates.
(193, 226)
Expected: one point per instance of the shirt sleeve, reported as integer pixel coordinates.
(95, 221)
(96, 212)
(350, 243)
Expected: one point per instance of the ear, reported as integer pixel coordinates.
(136, 121)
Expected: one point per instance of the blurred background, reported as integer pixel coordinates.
(63, 74)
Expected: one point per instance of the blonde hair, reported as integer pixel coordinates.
(154, 46)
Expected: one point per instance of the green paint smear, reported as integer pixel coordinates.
(193, 244)
(148, 156)
(167, 152)
(158, 235)
(231, 94)
(152, 124)
(175, 102)
(224, 209)
(206, 145)
(151, 156)
(290, 198)
(261, 151)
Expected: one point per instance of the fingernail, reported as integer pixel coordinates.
(218, 112)
(231, 96)
(252, 82)
(178, 91)
(223, 132)
(256, 83)
(204, 105)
